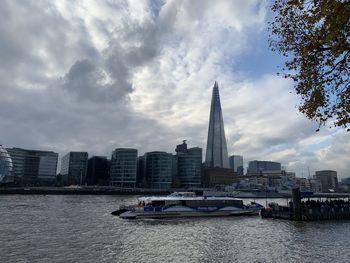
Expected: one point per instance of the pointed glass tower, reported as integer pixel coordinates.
(216, 155)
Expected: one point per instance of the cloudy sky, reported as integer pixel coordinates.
(97, 75)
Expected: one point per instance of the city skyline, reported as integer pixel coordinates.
(139, 75)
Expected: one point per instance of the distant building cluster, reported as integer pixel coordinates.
(161, 170)
(157, 170)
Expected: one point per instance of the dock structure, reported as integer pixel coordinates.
(336, 208)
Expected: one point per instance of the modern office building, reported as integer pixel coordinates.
(33, 167)
(5, 166)
(216, 154)
(258, 167)
(140, 175)
(328, 180)
(98, 171)
(212, 177)
(344, 185)
(236, 163)
(74, 168)
(124, 167)
(158, 169)
(189, 166)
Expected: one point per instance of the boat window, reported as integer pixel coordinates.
(158, 203)
(215, 203)
(183, 194)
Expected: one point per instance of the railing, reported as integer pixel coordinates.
(322, 213)
(310, 214)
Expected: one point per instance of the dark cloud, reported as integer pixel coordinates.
(88, 82)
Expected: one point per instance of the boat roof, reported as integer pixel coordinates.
(183, 198)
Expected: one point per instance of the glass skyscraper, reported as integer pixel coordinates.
(189, 165)
(98, 171)
(236, 163)
(74, 167)
(216, 155)
(159, 169)
(263, 166)
(124, 167)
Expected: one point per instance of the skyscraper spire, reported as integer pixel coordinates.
(216, 155)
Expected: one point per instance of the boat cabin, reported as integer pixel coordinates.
(190, 200)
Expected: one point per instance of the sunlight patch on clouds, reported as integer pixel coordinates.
(181, 76)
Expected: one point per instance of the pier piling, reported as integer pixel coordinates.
(296, 196)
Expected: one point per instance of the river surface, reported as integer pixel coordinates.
(58, 228)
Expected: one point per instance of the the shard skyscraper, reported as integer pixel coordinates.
(216, 155)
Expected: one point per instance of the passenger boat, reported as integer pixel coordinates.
(186, 204)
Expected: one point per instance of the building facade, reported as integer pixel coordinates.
(328, 180)
(34, 167)
(5, 166)
(74, 168)
(257, 167)
(216, 154)
(158, 169)
(124, 167)
(212, 177)
(140, 175)
(189, 166)
(236, 163)
(98, 168)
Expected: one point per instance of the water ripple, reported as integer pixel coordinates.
(81, 229)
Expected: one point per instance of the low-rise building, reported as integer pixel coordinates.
(34, 167)
(212, 177)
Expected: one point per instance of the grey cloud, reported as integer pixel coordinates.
(87, 81)
(131, 46)
(38, 43)
(49, 120)
(84, 109)
(108, 78)
(60, 92)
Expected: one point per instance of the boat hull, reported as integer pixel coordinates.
(175, 214)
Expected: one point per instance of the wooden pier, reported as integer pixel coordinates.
(337, 208)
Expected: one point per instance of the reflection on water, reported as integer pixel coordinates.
(81, 229)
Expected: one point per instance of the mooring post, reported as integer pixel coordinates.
(296, 203)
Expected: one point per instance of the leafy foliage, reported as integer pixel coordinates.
(314, 35)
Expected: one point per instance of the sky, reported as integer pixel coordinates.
(96, 75)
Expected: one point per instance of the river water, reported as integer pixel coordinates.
(53, 228)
